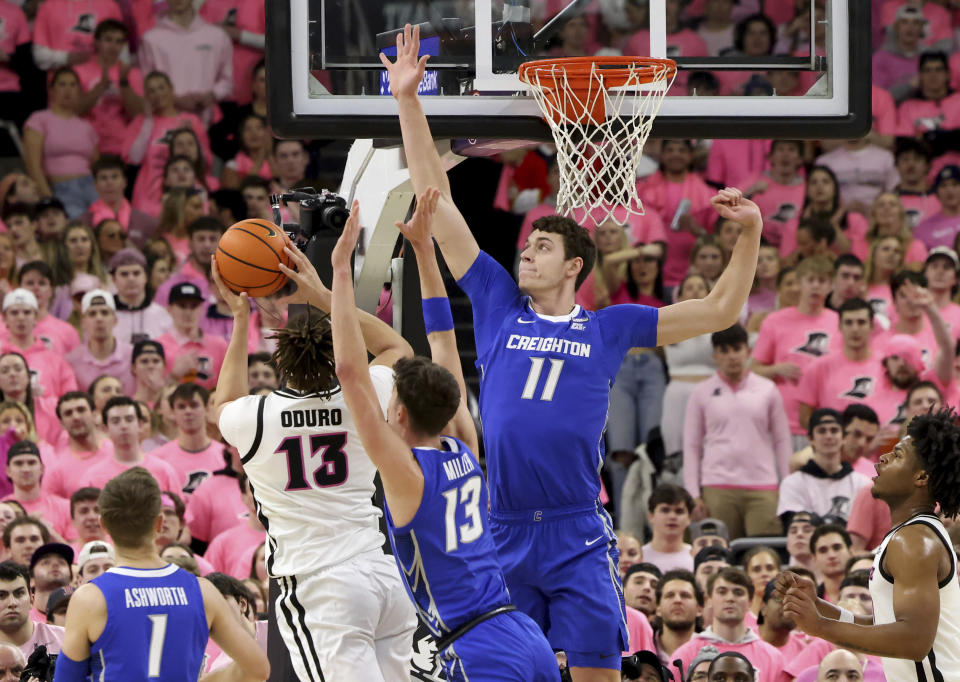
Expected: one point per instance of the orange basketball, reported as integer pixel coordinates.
(248, 255)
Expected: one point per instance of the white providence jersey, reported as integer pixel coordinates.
(311, 478)
(943, 661)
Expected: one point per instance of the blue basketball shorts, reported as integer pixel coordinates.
(561, 569)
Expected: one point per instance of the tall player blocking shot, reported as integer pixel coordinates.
(546, 369)
(915, 627)
(434, 488)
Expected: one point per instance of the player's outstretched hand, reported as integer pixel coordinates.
(800, 607)
(732, 205)
(305, 276)
(340, 258)
(406, 73)
(238, 303)
(418, 230)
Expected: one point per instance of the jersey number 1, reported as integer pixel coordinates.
(158, 632)
(333, 468)
(533, 379)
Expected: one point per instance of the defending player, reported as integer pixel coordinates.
(342, 610)
(147, 619)
(436, 497)
(915, 626)
(546, 368)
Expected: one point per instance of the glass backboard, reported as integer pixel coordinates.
(808, 77)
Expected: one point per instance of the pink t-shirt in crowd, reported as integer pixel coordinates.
(766, 659)
(731, 162)
(918, 116)
(919, 207)
(103, 471)
(62, 477)
(663, 196)
(108, 116)
(788, 335)
(834, 381)
(884, 112)
(47, 369)
(780, 206)
(862, 173)
(869, 517)
(251, 18)
(147, 322)
(243, 165)
(215, 506)
(639, 633)
(891, 69)
(667, 561)
(57, 335)
(735, 436)
(232, 551)
(210, 352)
(938, 230)
(14, 32)
(881, 300)
(46, 635)
(117, 364)
(68, 25)
(68, 143)
(148, 189)
(54, 511)
(193, 467)
(683, 43)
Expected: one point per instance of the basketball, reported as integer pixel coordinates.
(248, 256)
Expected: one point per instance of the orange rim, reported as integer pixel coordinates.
(644, 69)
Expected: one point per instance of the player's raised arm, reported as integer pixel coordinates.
(226, 631)
(426, 168)
(401, 475)
(722, 306)
(233, 381)
(436, 311)
(379, 338)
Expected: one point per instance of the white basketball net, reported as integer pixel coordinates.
(598, 161)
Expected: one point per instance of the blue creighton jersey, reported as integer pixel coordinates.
(446, 555)
(156, 626)
(545, 389)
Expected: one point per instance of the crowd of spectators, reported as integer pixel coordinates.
(730, 456)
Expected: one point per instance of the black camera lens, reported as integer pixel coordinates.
(334, 217)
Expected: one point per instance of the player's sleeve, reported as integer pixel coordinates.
(241, 421)
(382, 378)
(493, 295)
(627, 326)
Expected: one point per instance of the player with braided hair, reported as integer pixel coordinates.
(915, 626)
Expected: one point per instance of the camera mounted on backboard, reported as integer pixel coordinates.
(319, 211)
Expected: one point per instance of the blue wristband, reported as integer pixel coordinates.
(436, 315)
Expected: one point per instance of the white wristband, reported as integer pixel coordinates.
(845, 615)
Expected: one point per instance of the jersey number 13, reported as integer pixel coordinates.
(333, 467)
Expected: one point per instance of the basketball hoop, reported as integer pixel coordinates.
(600, 111)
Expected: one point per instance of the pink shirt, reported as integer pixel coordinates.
(917, 116)
(47, 369)
(149, 322)
(68, 143)
(881, 300)
(198, 58)
(100, 473)
(884, 112)
(62, 477)
(893, 70)
(14, 32)
(938, 230)
(68, 25)
(108, 116)
(834, 381)
(49, 636)
(100, 210)
(193, 467)
(862, 173)
(683, 43)
(788, 335)
(735, 436)
(215, 506)
(153, 156)
(919, 206)
(780, 206)
(243, 165)
(210, 353)
(732, 161)
(53, 510)
(251, 18)
(639, 632)
(232, 551)
(117, 364)
(57, 335)
(869, 517)
(667, 561)
(660, 195)
(766, 658)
